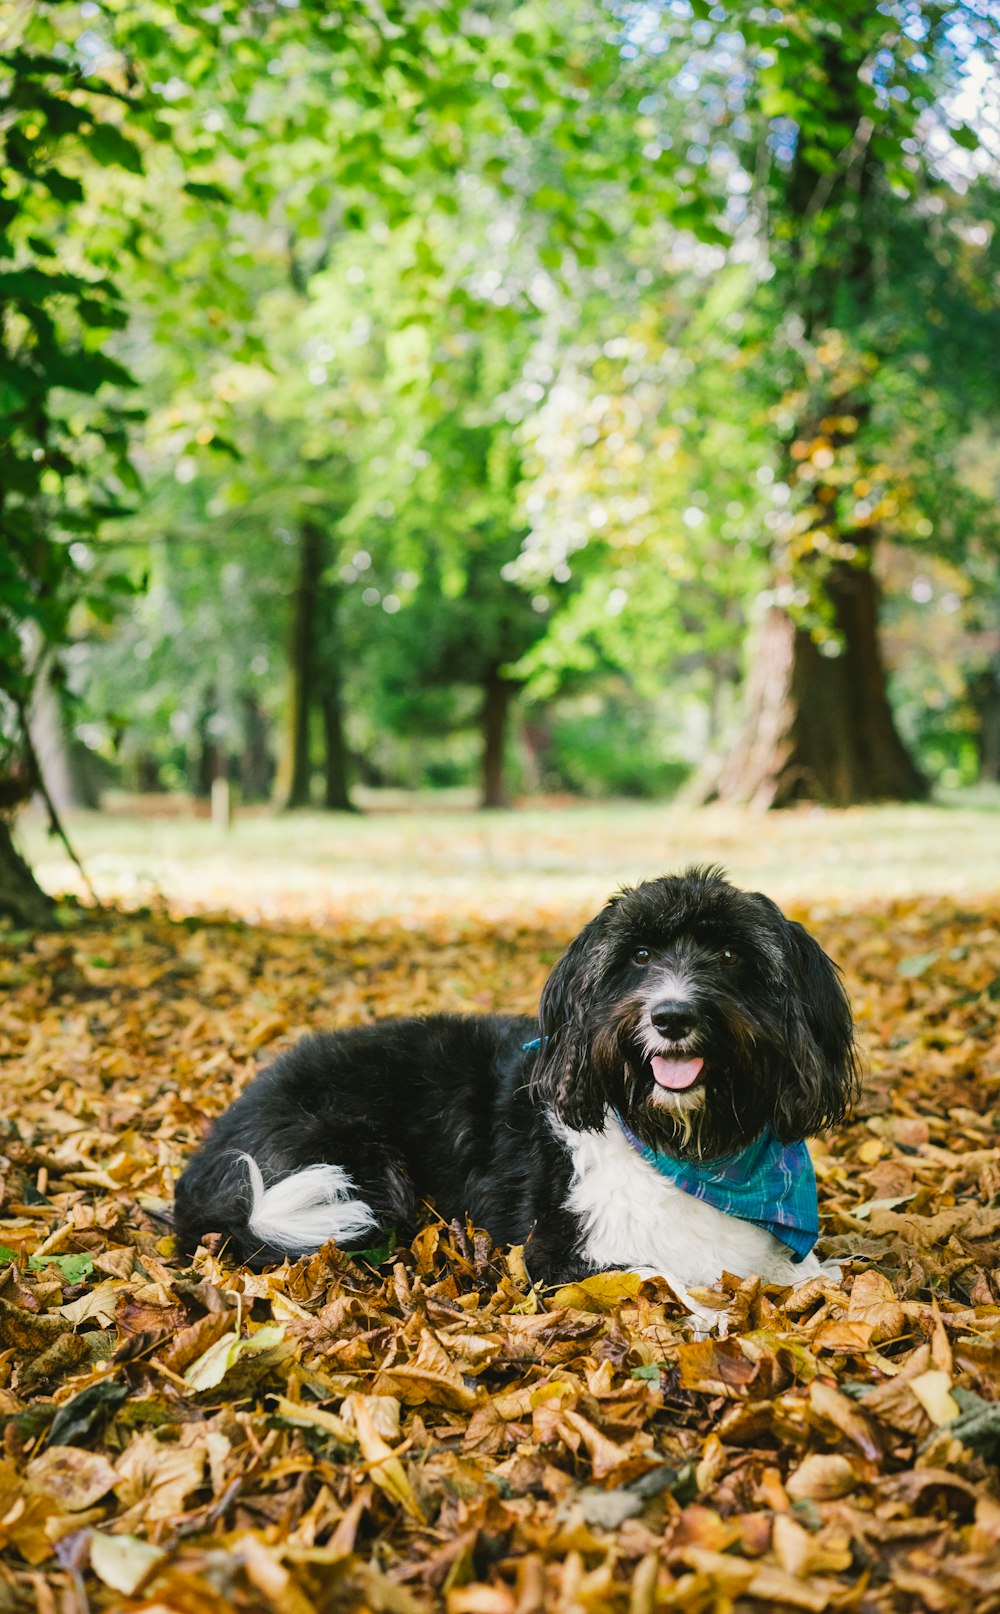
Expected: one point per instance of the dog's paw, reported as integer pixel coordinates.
(705, 1320)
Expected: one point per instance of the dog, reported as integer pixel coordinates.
(651, 1118)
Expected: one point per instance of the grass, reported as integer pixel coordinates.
(430, 861)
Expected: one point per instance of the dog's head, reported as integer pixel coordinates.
(702, 1015)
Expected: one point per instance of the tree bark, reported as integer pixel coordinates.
(303, 665)
(497, 695)
(21, 897)
(256, 769)
(61, 758)
(336, 794)
(820, 728)
(209, 759)
(984, 693)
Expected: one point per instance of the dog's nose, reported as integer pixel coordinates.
(673, 1018)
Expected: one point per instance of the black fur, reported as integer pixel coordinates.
(458, 1111)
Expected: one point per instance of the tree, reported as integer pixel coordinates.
(800, 399)
(849, 94)
(63, 438)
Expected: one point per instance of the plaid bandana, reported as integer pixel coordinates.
(769, 1183)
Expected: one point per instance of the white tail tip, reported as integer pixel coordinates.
(303, 1211)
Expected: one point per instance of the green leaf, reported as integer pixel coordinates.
(915, 965)
(74, 1268)
(649, 1371)
(206, 191)
(61, 186)
(82, 1417)
(109, 147)
(378, 1252)
(965, 137)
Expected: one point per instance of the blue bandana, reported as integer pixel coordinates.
(769, 1183)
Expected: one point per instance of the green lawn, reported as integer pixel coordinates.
(429, 862)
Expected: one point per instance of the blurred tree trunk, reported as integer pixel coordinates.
(209, 761)
(303, 664)
(256, 769)
(498, 693)
(537, 735)
(21, 897)
(336, 793)
(984, 693)
(820, 728)
(62, 760)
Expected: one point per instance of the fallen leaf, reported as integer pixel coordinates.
(263, 1348)
(599, 1293)
(933, 1390)
(75, 1479)
(123, 1562)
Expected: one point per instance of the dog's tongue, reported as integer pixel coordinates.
(676, 1073)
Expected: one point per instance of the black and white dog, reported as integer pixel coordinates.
(651, 1119)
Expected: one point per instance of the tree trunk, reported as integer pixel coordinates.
(303, 665)
(497, 696)
(336, 793)
(62, 760)
(984, 693)
(21, 897)
(209, 759)
(820, 728)
(256, 769)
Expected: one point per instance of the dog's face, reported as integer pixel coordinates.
(702, 1015)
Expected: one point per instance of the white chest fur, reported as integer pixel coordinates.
(633, 1218)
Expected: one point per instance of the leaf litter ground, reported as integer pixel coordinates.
(422, 1431)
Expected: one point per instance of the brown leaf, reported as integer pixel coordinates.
(26, 1331)
(821, 1477)
(831, 1407)
(430, 1376)
(75, 1479)
(716, 1367)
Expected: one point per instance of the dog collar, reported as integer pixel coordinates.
(769, 1183)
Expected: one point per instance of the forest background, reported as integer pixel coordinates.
(418, 403)
(556, 398)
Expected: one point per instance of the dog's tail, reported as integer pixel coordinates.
(303, 1211)
(263, 1224)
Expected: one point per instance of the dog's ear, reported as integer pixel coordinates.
(564, 1074)
(823, 1078)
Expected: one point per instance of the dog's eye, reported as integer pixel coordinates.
(641, 956)
(729, 957)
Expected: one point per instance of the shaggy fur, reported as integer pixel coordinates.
(347, 1134)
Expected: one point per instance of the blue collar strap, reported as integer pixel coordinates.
(769, 1183)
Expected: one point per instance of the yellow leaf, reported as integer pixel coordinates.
(384, 1466)
(98, 1303)
(601, 1292)
(310, 1417)
(384, 1411)
(156, 1478)
(122, 1562)
(209, 1369)
(822, 1477)
(933, 1390)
